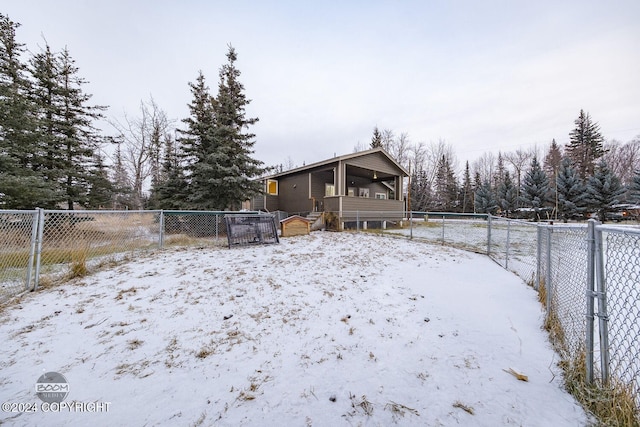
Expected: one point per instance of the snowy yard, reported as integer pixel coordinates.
(322, 330)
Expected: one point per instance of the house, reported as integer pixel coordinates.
(363, 186)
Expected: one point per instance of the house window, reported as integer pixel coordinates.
(329, 190)
(363, 192)
(272, 187)
(351, 191)
(381, 195)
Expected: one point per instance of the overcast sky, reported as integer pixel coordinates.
(481, 75)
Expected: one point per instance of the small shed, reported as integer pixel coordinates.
(295, 225)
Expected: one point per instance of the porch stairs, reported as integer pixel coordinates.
(317, 220)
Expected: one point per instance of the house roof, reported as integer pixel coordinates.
(341, 158)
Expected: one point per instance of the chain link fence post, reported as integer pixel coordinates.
(547, 282)
(506, 254)
(161, 231)
(32, 249)
(489, 234)
(601, 294)
(538, 258)
(590, 294)
(39, 248)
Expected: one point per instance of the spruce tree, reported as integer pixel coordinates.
(171, 193)
(585, 145)
(198, 142)
(218, 149)
(604, 190)
(239, 167)
(376, 139)
(101, 189)
(122, 189)
(446, 186)
(507, 195)
(535, 189)
(22, 185)
(552, 162)
(570, 191)
(467, 190)
(68, 137)
(485, 200)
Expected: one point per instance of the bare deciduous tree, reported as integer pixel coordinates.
(142, 140)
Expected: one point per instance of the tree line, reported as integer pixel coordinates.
(53, 156)
(587, 176)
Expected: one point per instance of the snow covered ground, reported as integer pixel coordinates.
(322, 330)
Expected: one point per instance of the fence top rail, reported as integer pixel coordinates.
(619, 229)
(14, 211)
(188, 212)
(451, 214)
(556, 226)
(96, 211)
(515, 220)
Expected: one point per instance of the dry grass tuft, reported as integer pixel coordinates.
(361, 404)
(134, 343)
(460, 405)
(613, 404)
(204, 352)
(398, 409)
(78, 266)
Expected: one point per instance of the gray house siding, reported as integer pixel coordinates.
(293, 193)
(375, 161)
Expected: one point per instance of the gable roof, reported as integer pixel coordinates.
(341, 158)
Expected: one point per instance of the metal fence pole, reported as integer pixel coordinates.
(358, 221)
(411, 225)
(39, 247)
(603, 317)
(161, 236)
(538, 258)
(547, 282)
(488, 234)
(32, 249)
(591, 254)
(443, 229)
(506, 256)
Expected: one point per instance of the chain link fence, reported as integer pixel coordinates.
(43, 246)
(463, 231)
(563, 286)
(621, 262)
(18, 232)
(513, 245)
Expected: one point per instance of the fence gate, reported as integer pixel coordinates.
(254, 229)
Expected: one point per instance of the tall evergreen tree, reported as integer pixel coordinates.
(122, 189)
(485, 200)
(535, 189)
(67, 132)
(22, 186)
(603, 190)
(101, 188)
(507, 194)
(376, 139)
(446, 186)
(570, 191)
(219, 151)
(171, 192)
(467, 190)
(585, 145)
(551, 163)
